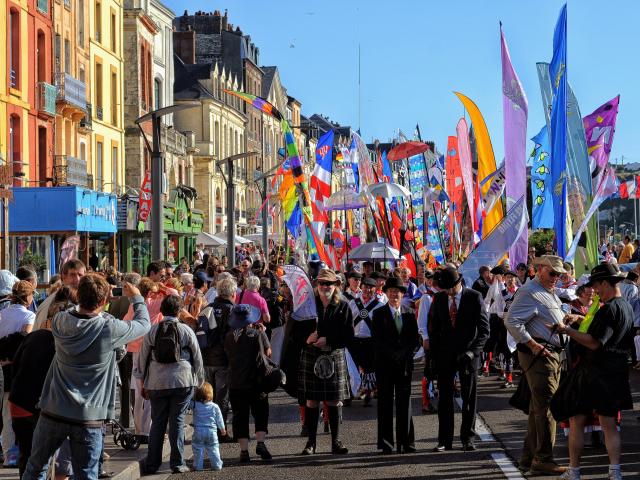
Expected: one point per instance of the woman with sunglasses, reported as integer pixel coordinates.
(322, 371)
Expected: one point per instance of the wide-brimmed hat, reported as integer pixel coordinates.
(552, 261)
(449, 278)
(327, 275)
(499, 270)
(243, 315)
(605, 271)
(369, 281)
(394, 282)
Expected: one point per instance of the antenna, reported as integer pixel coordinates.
(359, 92)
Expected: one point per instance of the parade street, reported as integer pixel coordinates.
(500, 431)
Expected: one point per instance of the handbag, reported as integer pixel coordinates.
(270, 376)
(521, 398)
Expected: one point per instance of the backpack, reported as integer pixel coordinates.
(167, 342)
(206, 325)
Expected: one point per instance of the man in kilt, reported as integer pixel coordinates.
(362, 347)
(322, 372)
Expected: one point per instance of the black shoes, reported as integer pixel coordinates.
(469, 447)
(386, 451)
(263, 452)
(105, 474)
(442, 448)
(309, 449)
(143, 439)
(326, 427)
(338, 448)
(244, 456)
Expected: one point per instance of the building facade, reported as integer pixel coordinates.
(106, 78)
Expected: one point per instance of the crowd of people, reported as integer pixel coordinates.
(195, 338)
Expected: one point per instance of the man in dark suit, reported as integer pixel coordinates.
(396, 339)
(458, 329)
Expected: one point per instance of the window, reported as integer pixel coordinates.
(80, 22)
(99, 86)
(14, 48)
(57, 48)
(114, 98)
(98, 174)
(143, 76)
(83, 151)
(41, 55)
(114, 32)
(15, 139)
(157, 94)
(98, 22)
(67, 56)
(114, 168)
(81, 73)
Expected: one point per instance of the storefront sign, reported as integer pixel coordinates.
(145, 198)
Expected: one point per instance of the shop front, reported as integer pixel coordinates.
(50, 225)
(181, 227)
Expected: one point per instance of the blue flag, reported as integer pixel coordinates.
(386, 168)
(541, 199)
(354, 165)
(558, 73)
(293, 224)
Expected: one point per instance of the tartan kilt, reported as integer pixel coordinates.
(311, 387)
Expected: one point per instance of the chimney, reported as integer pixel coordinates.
(184, 45)
(224, 20)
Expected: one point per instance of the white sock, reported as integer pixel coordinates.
(614, 467)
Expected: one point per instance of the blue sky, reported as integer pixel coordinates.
(414, 54)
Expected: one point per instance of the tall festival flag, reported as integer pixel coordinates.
(515, 110)
(464, 150)
(558, 73)
(455, 188)
(486, 160)
(320, 182)
(541, 199)
(601, 123)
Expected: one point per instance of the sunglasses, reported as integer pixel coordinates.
(554, 274)
(325, 284)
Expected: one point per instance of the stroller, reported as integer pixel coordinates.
(122, 436)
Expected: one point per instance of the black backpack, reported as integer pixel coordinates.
(167, 342)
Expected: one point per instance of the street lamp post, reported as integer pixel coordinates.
(157, 172)
(231, 194)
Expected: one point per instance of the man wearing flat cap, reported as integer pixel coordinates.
(396, 339)
(534, 307)
(458, 330)
(354, 278)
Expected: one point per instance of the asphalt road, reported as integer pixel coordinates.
(501, 432)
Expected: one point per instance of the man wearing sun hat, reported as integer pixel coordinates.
(458, 330)
(535, 306)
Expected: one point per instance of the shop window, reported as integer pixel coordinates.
(35, 251)
(140, 253)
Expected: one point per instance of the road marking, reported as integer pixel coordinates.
(503, 461)
(483, 432)
(507, 466)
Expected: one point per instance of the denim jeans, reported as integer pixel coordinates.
(205, 439)
(167, 406)
(85, 443)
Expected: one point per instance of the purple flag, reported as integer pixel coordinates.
(602, 122)
(515, 109)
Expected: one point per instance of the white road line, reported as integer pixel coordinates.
(503, 461)
(507, 466)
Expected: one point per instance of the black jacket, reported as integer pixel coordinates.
(30, 366)
(480, 285)
(336, 323)
(470, 334)
(394, 350)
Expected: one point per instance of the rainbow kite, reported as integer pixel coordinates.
(258, 102)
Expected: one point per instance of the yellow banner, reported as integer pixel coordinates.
(486, 160)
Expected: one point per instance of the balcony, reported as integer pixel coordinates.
(68, 170)
(86, 125)
(46, 99)
(72, 95)
(43, 6)
(99, 114)
(172, 141)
